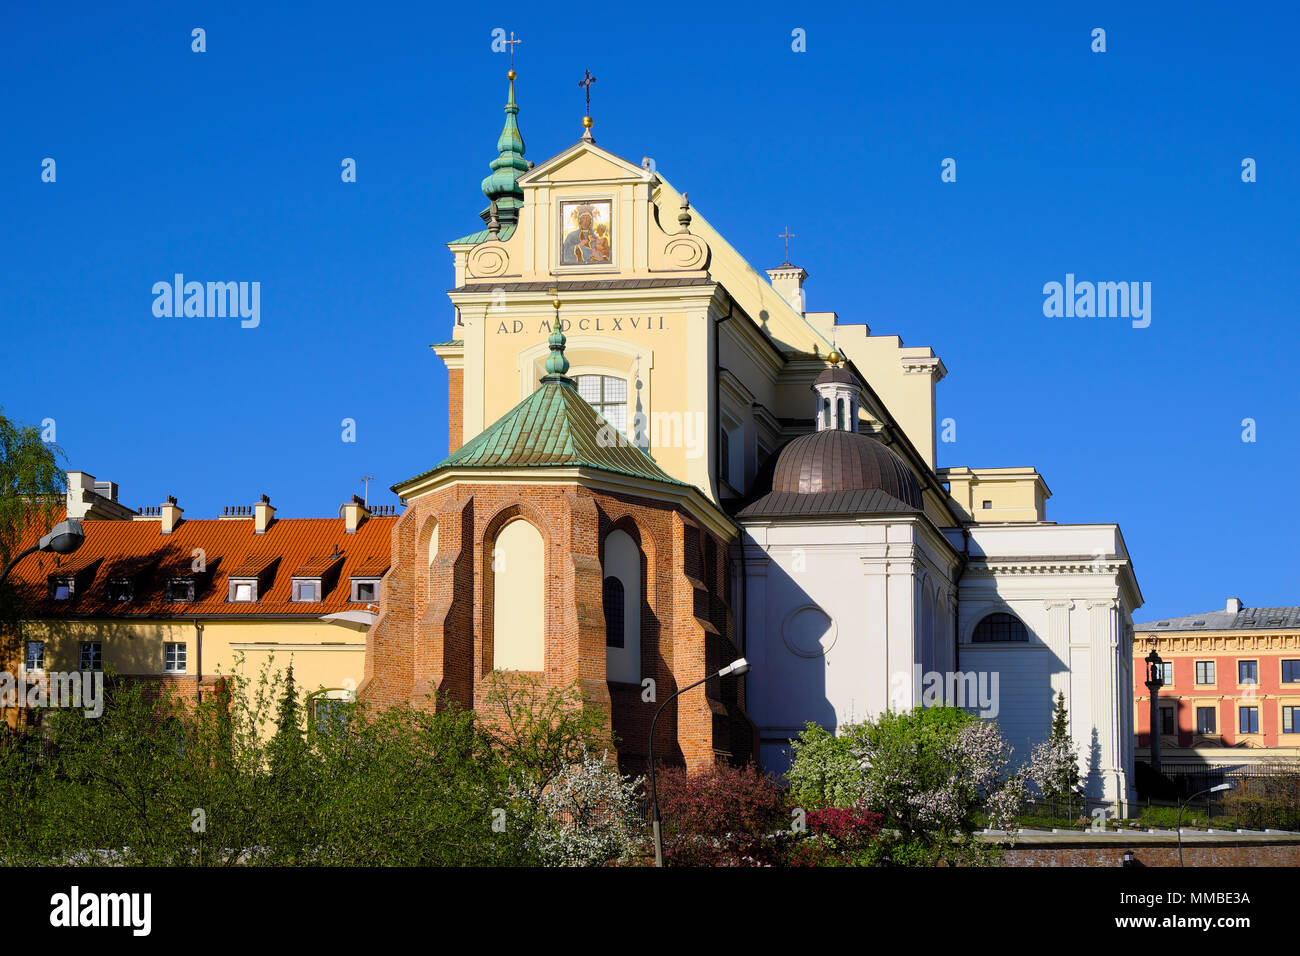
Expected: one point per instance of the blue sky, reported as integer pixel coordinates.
(1115, 166)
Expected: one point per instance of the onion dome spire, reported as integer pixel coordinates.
(500, 187)
(557, 365)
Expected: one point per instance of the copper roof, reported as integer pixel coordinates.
(834, 461)
(136, 549)
(552, 428)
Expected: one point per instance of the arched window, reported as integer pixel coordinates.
(1000, 627)
(433, 543)
(826, 413)
(607, 394)
(518, 599)
(613, 598)
(622, 596)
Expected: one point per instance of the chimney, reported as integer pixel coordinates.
(353, 513)
(1234, 606)
(81, 488)
(263, 515)
(171, 515)
(787, 280)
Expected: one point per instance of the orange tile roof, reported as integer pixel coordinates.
(136, 549)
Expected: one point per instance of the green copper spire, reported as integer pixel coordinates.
(500, 187)
(556, 363)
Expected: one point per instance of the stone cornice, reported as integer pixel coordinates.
(1230, 642)
(924, 365)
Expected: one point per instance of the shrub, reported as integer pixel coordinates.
(930, 772)
(722, 816)
(824, 772)
(1273, 801)
(589, 815)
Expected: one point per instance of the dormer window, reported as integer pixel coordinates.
(120, 590)
(308, 590)
(245, 590)
(62, 589)
(365, 590)
(180, 590)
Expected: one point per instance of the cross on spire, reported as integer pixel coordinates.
(585, 83)
(787, 236)
(510, 45)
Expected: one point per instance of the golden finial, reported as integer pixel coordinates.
(555, 299)
(835, 358)
(510, 75)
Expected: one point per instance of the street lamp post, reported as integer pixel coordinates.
(64, 538)
(1183, 806)
(738, 666)
(1155, 680)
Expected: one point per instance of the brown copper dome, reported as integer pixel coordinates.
(835, 460)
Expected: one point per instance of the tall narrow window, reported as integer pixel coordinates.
(1247, 672)
(1248, 720)
(35, 656)
(622, 594)
(613, 600)
(1167, 724)
(518, 599)
(1206, 722)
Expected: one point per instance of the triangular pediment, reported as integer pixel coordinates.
(585, 163)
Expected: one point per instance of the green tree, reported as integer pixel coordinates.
(32, 485)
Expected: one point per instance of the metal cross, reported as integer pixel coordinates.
(510, 45)
(585, 83)
(787, 236)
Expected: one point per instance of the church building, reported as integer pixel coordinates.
(661, 460)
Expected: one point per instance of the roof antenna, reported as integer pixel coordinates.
(365, 481)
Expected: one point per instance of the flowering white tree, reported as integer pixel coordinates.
(589, 814)
(930, 773)
(1054, 763)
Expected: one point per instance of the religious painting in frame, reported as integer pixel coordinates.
(586, 232)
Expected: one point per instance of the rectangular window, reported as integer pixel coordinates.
(242, 591)
(1248, 720)
(173, 658)
(329, 715)
(1206, 720)
(1247, 672)
(987, 505)
(1167, 725)
(1205, 672)
(1291, 720)
(35, 658)
(1290, 672)
(61, 589)
(119, 590)
(1167, 673)
(92, 656)
(180, 590)
(364, 591)
(306, 590)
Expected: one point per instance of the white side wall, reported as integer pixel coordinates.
(1073, 587)
(838, 615)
